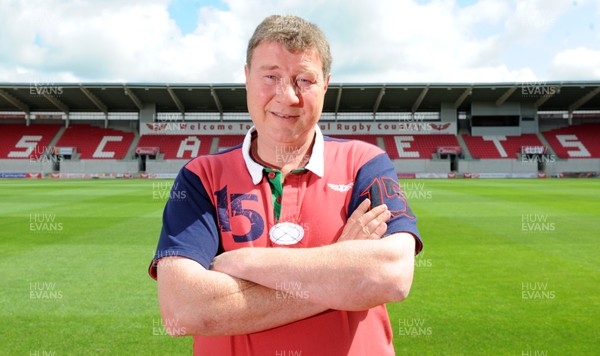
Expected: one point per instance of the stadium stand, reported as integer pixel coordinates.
(227, 141)
(416, 146)
(366, 138)
(178, 146)
(93, 142)
(26, 142)
(432, 130)
(578, 141)
(499, 147)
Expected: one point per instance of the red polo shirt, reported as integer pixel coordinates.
(225, 201)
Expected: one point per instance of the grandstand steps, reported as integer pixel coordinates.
(214, 146)
(381, 142)
(549, 149)
(57, 137)
(131, 151)
(463, 145)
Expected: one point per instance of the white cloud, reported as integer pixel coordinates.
(532, 18)
(484, 12)
(103, 41)
(576, 64)
(433, 42)
(389, 41)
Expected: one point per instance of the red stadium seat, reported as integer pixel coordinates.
(178, 146)
(227, 141)
(366, 138)
(498, 147)
(93, 142)
(579, 141)
(26, 142)
(416, 146)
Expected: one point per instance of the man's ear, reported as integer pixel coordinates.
(247, 74)
(327, 81)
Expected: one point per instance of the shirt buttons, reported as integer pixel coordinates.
(278, 199)
(271, 175)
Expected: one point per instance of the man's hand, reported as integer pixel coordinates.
(364, 224)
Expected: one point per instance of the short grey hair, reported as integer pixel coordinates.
(293, 32)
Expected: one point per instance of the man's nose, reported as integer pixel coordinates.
(288, 91)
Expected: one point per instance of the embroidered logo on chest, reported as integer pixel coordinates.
(286, 233)
(341, 187)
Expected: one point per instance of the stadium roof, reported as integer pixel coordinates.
(220, 98)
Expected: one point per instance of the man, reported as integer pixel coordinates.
(291, 242)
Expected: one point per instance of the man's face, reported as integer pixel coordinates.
(285, 93)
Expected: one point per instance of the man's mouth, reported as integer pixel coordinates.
(284, 116)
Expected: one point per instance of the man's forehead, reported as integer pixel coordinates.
(265, 60)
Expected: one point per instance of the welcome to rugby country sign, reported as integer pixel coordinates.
(328, 128)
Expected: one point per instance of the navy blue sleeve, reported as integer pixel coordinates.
(378, 181)
(189, 223)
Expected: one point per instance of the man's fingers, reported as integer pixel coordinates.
(362, 208)
(379, 212)
(372, 224)
(381, 229)
(377, 226)
(365, 223)
(359, 212)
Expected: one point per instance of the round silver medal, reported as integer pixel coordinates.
(286, 233)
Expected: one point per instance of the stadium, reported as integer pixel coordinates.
(510, 266)
(430, 130)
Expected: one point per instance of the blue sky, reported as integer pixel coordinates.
(185, 12)
(392, 41)
(578, 26)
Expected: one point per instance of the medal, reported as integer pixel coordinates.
(286, 233)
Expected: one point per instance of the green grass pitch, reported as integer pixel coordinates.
(510, 267)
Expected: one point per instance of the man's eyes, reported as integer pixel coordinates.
(300, 82)
(304, 82)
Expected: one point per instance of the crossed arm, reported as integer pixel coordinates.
(242, 293)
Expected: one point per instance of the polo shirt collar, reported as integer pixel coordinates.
(316, 163)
